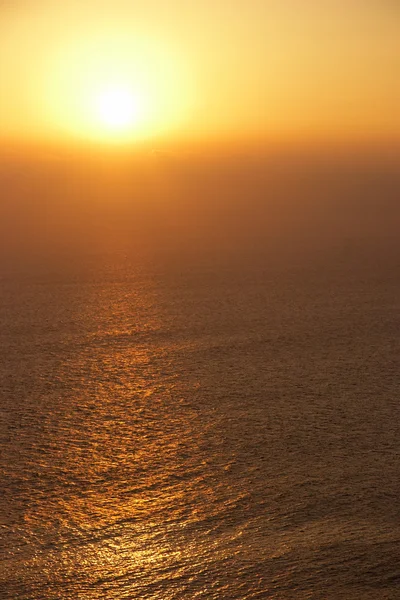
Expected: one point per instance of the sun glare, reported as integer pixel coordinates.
(117, 108)
(115, 89)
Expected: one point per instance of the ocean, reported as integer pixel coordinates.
(219, 427)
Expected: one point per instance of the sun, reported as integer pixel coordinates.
(114, 86)
(117, 108)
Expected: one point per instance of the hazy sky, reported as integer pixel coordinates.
(215, 69)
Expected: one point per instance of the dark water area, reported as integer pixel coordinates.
(209, 409)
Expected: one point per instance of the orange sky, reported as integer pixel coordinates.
(215, 70)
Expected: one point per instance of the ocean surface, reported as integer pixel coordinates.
(214, 429)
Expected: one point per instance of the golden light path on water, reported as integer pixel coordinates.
(128, 457)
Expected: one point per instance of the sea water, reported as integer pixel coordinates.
(214, 429)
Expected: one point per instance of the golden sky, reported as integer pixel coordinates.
(122, 70)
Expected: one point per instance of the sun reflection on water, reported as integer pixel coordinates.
(125, 459)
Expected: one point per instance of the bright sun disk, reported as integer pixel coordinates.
(117, 108)
(112, 88)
